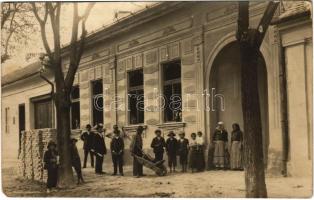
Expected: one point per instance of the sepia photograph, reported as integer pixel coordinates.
(169, 99)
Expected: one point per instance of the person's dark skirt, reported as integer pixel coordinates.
(200, 159)
(52, 177)
(193, 158)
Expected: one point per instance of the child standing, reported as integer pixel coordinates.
(171, 147)
(76, 161)
(51, 160)
(183, 150)
(158, 144)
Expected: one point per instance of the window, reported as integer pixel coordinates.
(97, 102)
(7, 109)
(136, 97)
(75, 107)
(43, 114)
(172, 91)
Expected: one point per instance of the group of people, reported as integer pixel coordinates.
(221, 155)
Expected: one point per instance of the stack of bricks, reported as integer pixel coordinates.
(33, 145)
(37, 154)
(21, 163)
(29, 173)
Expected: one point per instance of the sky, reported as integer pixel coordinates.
(102, 14)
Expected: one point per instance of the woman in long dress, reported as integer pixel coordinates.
(236, 155)
(200, 152)
(193, 153)
(220, 141)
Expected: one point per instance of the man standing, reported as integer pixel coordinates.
(171, 147)
(99, 148)
(117, 149)
(87, 137)
(136, 149)
(158, 145)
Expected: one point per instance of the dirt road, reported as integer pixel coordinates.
(204, 184)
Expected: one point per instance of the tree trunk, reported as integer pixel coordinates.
(253, 138)
(63, 139)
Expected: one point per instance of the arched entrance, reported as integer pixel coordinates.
(225, 81)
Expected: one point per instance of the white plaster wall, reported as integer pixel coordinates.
(299, 85)
(12, 96)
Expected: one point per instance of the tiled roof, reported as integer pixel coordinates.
(19, 74)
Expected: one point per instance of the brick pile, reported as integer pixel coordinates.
(33, 145)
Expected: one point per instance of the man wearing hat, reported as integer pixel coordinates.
(87, 137)
(183, 151)
(171, 147)
(117, 150)
(137, 149)
(76, 161)
(158, 144)
(99, 148)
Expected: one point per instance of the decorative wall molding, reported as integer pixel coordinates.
(171, 125)
(138, 60)
(169, 30)
(150, 57)
(228, 15)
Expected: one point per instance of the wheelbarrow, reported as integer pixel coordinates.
(147, 161)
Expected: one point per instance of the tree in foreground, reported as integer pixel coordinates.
(250, 41)
(63, 83)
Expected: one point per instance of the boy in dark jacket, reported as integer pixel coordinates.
(117, 150)
(171, 147)
(87, 138)
(99, 148)
(76, 161)
(158, 144)
(183, 151)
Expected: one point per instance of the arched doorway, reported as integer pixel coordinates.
(225, 81)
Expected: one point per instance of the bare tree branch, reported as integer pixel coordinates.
(42, 23)
(5, 56)
(87, 11)
(77, 49)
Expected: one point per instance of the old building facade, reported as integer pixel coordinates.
(182, 48)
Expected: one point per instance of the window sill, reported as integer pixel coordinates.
(171, 125)
(133, 127)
